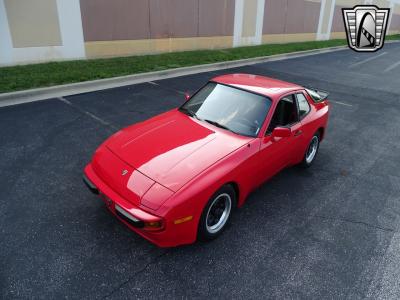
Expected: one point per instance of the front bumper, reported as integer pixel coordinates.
(170, 236)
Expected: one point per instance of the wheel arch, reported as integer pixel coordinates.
(235, 186)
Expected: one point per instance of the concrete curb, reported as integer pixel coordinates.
(38, 94)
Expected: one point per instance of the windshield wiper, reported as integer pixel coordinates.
(218, 125)
(194, 115)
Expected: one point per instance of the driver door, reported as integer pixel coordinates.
(278, 153)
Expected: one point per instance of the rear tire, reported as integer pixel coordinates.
(312, 151)
(217, 213)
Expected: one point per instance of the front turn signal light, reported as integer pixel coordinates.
(183, 220)
(153, 226)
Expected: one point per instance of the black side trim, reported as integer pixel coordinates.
(137, 224)
(90, 185)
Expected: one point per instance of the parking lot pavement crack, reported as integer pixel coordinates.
(122, 284)
(87, 113)
(355, 222)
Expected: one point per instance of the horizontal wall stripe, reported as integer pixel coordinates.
(338, 35)
(153, 46)
(288, 38)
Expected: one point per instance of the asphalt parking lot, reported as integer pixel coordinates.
(331, 231)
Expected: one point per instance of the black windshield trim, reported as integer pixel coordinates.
(231, 86)
(242, 89)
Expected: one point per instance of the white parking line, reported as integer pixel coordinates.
(103, 122)
(341, 103)
(166, 88)
(392, 67)
(367, 60)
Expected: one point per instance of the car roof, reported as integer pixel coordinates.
(267, 86)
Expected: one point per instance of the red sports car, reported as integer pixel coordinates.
(178, 176)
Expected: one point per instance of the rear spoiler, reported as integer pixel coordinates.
(317, 95)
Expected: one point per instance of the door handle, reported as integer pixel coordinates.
(298, 132)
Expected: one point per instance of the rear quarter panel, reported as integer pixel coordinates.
(317, 119)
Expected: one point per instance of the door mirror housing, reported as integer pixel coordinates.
(281, 132)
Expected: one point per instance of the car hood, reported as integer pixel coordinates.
(172, 148)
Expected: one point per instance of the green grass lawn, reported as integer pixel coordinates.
(47, 74)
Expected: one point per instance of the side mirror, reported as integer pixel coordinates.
(187, 96)
(281, 132)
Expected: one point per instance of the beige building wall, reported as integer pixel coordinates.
(395, 21)
(136, 27)
(249, 17)
(290, 21)
(176, 25)
(33, 23)
(34, 31)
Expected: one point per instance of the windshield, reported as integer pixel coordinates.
(230, 108)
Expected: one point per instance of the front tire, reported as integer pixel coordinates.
(312, 151)
(217, 212)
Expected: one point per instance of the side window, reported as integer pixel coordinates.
(304, 107)
(285, 113)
